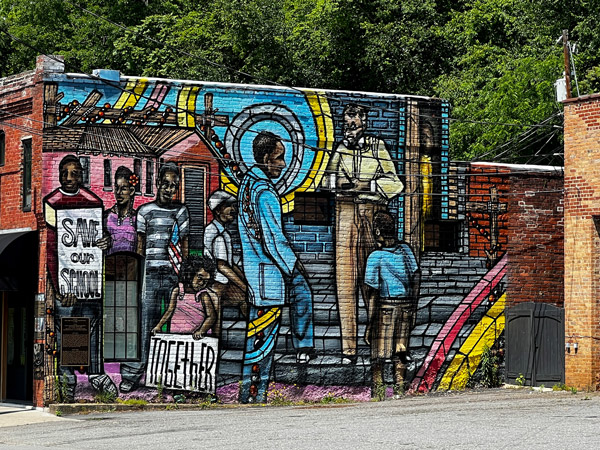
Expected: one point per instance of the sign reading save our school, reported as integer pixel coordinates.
(178, 361)
(79, 259)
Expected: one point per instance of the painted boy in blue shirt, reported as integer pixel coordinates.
(392, 274)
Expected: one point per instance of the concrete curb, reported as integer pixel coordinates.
(65, 409)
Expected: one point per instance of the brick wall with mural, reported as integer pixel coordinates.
(255, 242)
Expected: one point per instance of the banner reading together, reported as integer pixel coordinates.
(178, 361)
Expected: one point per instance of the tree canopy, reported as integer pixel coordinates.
(495, 61)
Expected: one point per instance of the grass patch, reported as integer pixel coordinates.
(105, 397)
(331, 398)
(133, 401)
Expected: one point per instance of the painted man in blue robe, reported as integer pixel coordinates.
(271, 268)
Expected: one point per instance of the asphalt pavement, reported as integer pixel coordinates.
(497, 418)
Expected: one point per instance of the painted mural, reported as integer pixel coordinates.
(238, 240)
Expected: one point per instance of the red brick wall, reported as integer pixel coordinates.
(530, 227)
(535, 235)
(22, 95)
(481, 178)
(582, 241)
(15, 91)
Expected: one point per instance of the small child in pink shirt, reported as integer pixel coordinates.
(192, 309)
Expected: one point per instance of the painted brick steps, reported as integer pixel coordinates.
(327, 368)
(438, 299)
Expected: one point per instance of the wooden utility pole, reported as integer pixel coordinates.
(565, 39)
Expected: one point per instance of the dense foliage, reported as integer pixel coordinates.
(495, 60)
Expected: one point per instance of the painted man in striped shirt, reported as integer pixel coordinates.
(162, 230)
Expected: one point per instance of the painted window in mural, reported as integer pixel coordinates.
(194, 196)
(442, 235)
(137, 170)
(107, 175)
(313, 208)
(149, 178)
(121, 307)
(85, 165)
(26, 186)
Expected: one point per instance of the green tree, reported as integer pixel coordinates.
(504, 65)
(494, 60)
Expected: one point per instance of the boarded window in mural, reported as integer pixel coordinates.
(313, 208)
(85, 166)
(149, 178)
(194, 182)
(137, 170)
(442, 235)
(107, 174)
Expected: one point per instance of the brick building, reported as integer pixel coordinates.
(108, 200)
(582, 210)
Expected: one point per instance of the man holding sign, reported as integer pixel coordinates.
(74, 219)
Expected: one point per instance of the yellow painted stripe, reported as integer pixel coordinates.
(191, 105)
(467, 359)
(321, 112)
(186, 101)
(427, 191)
(182, 99)
(131, 95)
(130, 99)
(324, 123)
(125, 94)
(256, 326)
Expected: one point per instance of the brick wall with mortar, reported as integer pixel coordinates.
(481, 179)
(582, 255)
(536, 237)
(21, 116)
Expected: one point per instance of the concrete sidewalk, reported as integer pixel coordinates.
(12, 415)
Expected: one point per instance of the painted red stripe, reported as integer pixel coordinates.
(447, 335)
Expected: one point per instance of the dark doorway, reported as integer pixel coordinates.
(18, 349)
(535, 343)
(18, 286)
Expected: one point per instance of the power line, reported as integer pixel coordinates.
(404, 194)
(457, 164)
(522, 137)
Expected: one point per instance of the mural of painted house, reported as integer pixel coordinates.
(194, 235)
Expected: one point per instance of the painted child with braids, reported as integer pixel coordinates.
(192, 305)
